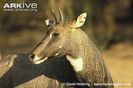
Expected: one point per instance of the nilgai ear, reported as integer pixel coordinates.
(49, 22)
(80, 20)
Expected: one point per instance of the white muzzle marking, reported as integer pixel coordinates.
(38, 60)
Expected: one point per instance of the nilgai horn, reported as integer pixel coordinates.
(67, 39)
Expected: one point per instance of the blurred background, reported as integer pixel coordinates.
(109, 23)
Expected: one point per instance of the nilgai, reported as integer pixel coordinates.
(68, 40)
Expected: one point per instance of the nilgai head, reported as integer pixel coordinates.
(59, 40)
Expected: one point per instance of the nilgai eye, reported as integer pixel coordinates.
(55, 34)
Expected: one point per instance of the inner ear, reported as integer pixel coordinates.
(80, 21)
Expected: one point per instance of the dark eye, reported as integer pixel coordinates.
(55, 34)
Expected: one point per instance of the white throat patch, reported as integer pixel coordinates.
(77, 63)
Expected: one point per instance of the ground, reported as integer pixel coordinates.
(119, 59)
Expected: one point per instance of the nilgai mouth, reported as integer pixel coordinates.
(37, 60)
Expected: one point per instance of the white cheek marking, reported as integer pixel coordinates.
(77, 63)
(56, 54)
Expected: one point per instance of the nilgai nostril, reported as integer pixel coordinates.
(31, 56)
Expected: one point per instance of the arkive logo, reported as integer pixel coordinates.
(22, 6)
